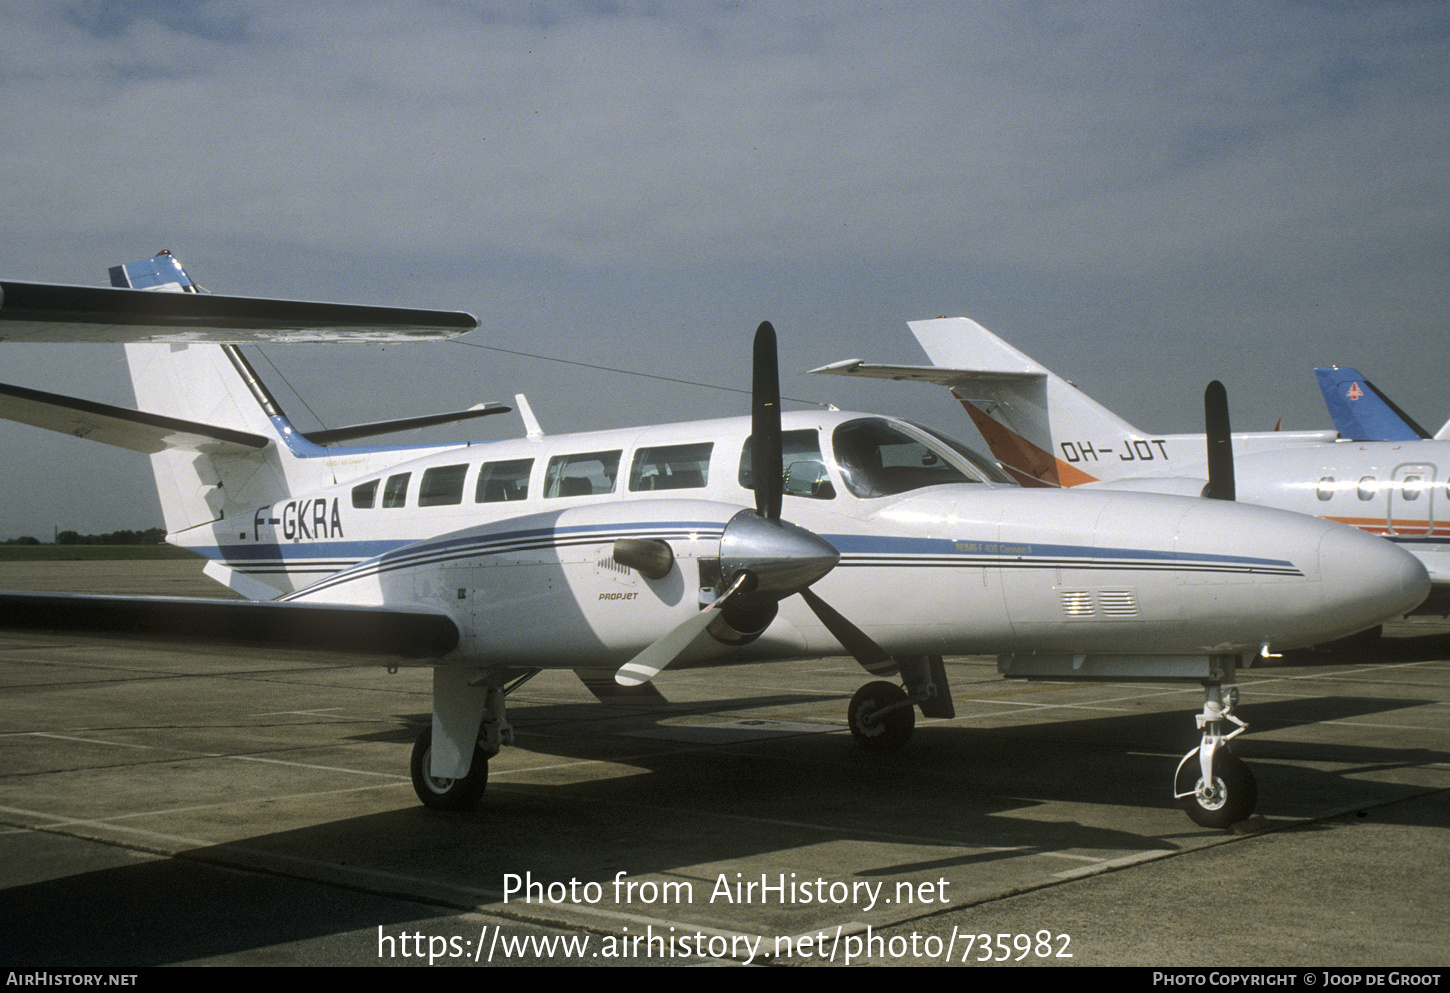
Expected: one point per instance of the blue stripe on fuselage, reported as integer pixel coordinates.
(851, 544)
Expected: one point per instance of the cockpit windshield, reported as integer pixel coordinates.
(989, 470)
(878, 459)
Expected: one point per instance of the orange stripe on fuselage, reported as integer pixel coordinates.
(1027, 463)
(1409, 528)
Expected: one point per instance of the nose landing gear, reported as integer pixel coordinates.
(1212, 784)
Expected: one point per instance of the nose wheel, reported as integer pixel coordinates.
(1212, 784)
(1226, 799)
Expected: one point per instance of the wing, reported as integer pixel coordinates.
(53, 312)
(303, 632)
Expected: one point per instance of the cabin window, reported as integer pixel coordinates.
(1368, 487)
(1410, 487)
(1325, 490)
(442, 486)
(585, 474)
(395, 491)
(364, 495)
(802, 466)
(876, 460)
(499, 482)
(671, 467)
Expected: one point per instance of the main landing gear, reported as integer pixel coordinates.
(1213, 785)
(441, 792)
(467, 708)
(882, 715)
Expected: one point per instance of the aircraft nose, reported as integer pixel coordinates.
(1369, 578)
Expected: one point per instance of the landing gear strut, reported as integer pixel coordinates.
(1212, 784)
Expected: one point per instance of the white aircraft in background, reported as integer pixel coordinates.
(619, 553)
(1047, 433)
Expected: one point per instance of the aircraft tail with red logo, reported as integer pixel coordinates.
(1361, 412)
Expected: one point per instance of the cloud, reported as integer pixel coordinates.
(1240, 184)
(593, 134)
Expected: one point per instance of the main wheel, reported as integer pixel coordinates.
(1231, 799)
(874, 730)
(447, 794)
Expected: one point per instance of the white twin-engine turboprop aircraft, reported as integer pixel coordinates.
(620, 553)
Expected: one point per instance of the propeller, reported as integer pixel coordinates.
(766, 461)
(763, 559)
(1220, 443)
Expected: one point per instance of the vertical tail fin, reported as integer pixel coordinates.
(214, 385)
(1361, 412)
(1042, 428)
(209, 384)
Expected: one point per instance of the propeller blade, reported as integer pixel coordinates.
(873, 657)
(766, 470)
(657, 657)
(1220, 443)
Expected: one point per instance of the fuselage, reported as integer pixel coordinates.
(513, 540)
(1395, 489)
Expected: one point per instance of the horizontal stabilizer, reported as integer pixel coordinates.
(120, 426)
(376, 428)
(957, 378)
(51, 312)
(303, 631)
(965, 356)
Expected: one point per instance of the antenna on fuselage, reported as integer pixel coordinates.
(531, 423)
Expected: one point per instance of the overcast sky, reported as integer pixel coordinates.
(1142, 196)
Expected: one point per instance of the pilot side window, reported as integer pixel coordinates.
(671, 467)
(802, 466)
(585, 474)
(499, 482)
(442, 486)
(364, 495)
(395, 490)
